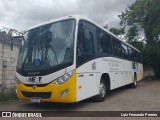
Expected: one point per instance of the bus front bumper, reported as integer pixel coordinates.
(65, 92)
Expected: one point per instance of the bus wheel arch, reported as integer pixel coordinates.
(104, 86)
(105, 77)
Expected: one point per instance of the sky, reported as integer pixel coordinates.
(23, 14)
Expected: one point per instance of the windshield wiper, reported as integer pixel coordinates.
(27, 55)
(46, 56)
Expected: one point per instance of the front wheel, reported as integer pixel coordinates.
(102, 92)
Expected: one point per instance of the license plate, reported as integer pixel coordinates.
(35, 100)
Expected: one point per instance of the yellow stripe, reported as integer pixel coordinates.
(55, 89)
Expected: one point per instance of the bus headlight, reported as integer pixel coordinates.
(18, 81)
(63, 78)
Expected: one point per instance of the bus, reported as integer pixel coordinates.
(72, 58)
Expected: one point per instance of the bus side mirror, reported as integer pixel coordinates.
(16, 39)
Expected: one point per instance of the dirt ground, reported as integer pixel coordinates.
(146, 97)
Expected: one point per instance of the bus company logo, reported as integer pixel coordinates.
(35, 79)
(34, 87)
(6, 114)
(31, 79)
(20, 114)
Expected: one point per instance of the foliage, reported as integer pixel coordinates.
(145, 14)
(151, 56)
(132, 32)
(137, 44)
(4, 36)
(7, 97)
(117, 31)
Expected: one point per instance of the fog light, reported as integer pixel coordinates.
(63, 93)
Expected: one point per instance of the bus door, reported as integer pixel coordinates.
(86, 65)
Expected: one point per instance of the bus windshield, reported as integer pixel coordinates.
(47, 48)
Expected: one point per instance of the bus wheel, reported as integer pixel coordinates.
(102, 92)
(134, 84)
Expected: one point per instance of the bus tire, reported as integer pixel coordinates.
(134, 84)
(103, 92)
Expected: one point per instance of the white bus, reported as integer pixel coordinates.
(72, 58)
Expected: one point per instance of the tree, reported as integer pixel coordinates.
(132, 33)
(117, 31)
(145, 14)
(151, 56)
(3, 35)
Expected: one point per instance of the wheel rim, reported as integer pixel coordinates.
(102, 90)
(135, 81)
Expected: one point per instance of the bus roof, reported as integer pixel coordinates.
(78, 17)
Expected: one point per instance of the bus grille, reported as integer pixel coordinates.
(43, 95)
(38, 85)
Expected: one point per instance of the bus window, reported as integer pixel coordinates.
(85, 49)
(108, 44)
(138, 57)
(124, 51)
(117, 48)
(104, 42)
(130, 53)
(134, 55)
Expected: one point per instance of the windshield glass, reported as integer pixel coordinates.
(46, 48)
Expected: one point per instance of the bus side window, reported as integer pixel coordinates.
(139, 58)
(104, 42)
(108, 44)
(117, 49)
(124, 51)
(85, 49)
(134, 55)
(130, 53)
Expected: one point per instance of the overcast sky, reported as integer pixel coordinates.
(22, 14)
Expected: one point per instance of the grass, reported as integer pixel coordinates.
(8, 98)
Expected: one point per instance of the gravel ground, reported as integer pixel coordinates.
(146, 97)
